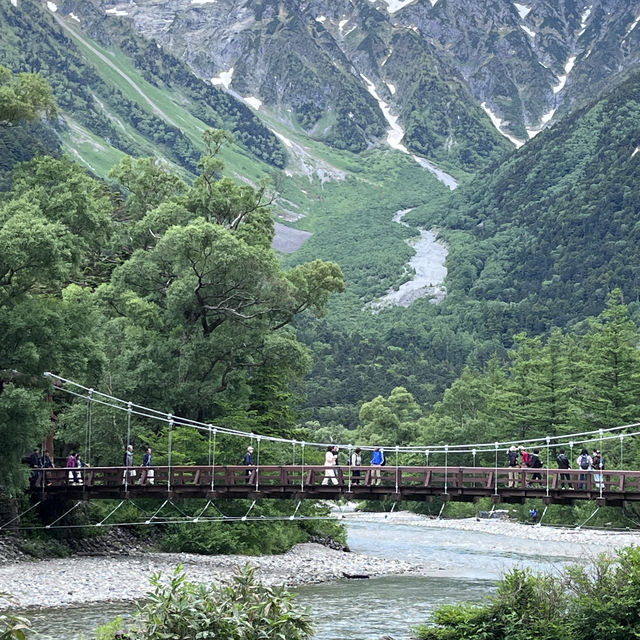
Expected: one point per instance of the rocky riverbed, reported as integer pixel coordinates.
(75, 580)
(121, 571)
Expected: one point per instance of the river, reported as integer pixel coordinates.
(366, 609)
(429, 271)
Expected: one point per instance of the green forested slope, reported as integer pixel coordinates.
(548, 233)
(119, 117)
(534, 243)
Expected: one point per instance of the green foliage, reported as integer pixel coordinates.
(205, 289)
(24, 97)
(548, 233)
(251, 537)
(108, 631)
(44, 548)
(567, 383)
(591, 601)
(13, 627)
(242, 610)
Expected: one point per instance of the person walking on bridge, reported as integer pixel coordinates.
(355, 461)
(146, 463)
(564, 463)
(72, 464)
(247, 461)
(512, 459)
(377, 460)
(330, 464)
(35, 462)
(127, 461)
(585, 462)
(598, 465)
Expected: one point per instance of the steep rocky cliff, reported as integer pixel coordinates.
(460, 75)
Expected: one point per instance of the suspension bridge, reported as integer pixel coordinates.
(298, 482)
(440, 477)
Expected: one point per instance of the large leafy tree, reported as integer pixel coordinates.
(52, 224)
(24, 96)
(199, 317)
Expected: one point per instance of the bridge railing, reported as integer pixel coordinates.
(412, 479)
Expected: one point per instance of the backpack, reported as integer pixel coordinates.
(584, 462)
(513, 458)
(535, 462)
(563, 461)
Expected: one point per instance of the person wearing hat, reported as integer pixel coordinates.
(512, 459)
(247, 461)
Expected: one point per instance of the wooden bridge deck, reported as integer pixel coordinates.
(465, 484)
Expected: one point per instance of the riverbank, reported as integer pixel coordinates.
(76, 580)
(125, 576)
(596, 540)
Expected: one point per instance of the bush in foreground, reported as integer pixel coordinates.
(585, 602)
(242, 610)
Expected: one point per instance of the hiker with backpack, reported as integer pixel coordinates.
(535, 463)
(585, 462)
(563, 463)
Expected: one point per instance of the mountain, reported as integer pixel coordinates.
(137, 100)
(446, 69)
(527, 60)
(548, 233)
(336, 102)
(339, 71)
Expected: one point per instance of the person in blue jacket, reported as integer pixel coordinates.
(377, 460)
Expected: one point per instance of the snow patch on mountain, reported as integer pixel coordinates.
(52, 7)
(392, 89)
(530, 32)
(342, 23)
(114, 11)
(73, 16)
(396, 5)
(396, 133)
(203, 1)
(634, 24)
(562, 80)
(635, 151)
(14, 3)
(546, 118)
(583, 20)
(254, 102)
(522, 9)
(224, 79)
(498, 123)
(321, 19)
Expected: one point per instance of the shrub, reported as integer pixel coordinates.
(241, 610)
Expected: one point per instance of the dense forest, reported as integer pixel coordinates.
(117, 282)
(536, 243)
(167, 290)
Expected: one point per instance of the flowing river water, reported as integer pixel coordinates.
(367, 609)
